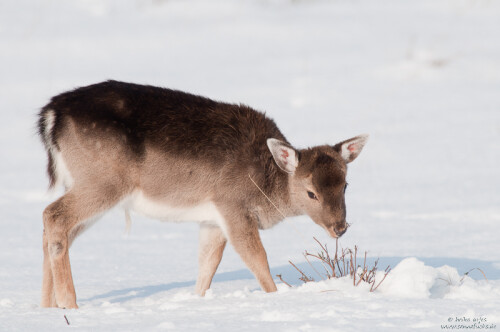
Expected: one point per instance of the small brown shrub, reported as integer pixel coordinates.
(342, 264)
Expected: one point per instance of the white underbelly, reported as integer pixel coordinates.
(204, 213)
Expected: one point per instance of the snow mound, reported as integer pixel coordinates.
(411, 278)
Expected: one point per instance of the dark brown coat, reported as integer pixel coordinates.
(176, 156)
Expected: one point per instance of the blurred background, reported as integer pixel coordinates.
(421, 77)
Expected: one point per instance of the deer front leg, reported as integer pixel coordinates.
(211, 247)
(244, 235)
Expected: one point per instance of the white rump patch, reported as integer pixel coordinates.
(63, 176)
(49, 120)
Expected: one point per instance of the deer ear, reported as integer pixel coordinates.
(284, 155)
(351, 148)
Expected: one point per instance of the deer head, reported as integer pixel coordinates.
(317, 179)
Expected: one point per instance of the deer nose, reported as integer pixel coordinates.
(340, 230)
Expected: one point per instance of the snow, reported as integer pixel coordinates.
(404, 301)
(421, 77)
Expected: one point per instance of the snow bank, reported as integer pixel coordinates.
(412, 279)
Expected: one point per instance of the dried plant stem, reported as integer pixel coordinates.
(307, 259)
(263, 193)
(387, 270)
(476, 268)
(304, 278)
(283, 281)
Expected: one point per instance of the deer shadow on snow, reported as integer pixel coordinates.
(127, 294)
(291, 276)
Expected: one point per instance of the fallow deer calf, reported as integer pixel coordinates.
(175, 156)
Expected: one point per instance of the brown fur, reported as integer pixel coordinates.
(180, 151)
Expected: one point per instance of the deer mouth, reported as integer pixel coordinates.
(336, 231)
(330, 230)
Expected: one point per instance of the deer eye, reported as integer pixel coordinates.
(312, 195)
(345, 187)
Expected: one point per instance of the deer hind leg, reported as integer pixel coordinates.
(62, 221)
(48, 295)
(211, 247)
(243, 233)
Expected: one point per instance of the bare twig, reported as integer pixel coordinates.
(364, 262)
(448, 281)
(304, 278)
(336, 258)
(322, 261)
(66, 318)
(283, 281)
(467, 273)
(263, 193)
(326, 258)
(307, 259)
(361, 277)
(387, 270)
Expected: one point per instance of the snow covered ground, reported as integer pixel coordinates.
(422, 77)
